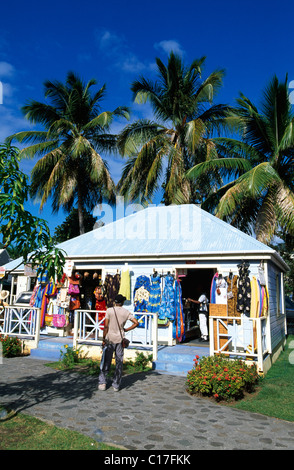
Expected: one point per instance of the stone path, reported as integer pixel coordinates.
(151, 411)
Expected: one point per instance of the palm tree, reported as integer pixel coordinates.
(70, 169)
(161, 152)
(261, 199)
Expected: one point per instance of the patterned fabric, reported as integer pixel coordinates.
(232, 296)
(168, 307)
(244, 290)
(111, 285)
(179, 323)
(155, 294)
(141, 297)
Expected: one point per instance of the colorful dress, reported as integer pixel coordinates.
(179, 324)
(141, 294)
(155, 294)
(168, 307)
(141, 298)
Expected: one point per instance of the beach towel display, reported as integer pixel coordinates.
(255, 298)
(213, 288)
(167, 307)
(49, 290)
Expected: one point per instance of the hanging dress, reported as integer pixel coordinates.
(141, 298)
(168, 307)
(125, 284)
(179, 324)
(111, 286)
(232, 296)
(244, 290)
(154, 295)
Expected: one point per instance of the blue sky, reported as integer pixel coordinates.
(116, 42)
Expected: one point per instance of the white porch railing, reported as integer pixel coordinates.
(88, 329)
(23, 322)
(242, 337)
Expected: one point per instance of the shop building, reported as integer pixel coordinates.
(185, 251)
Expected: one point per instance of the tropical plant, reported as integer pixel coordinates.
(161, 152)
(70, 226)
(71, 169)
(261, 199)
(28, 235)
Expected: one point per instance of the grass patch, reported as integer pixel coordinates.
(275, 394)
(24, 432)
(75, 362)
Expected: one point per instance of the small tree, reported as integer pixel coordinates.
(29, 235)
(70, 227)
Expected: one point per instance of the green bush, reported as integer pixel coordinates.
(69, 356)
(11, 346)
(221, 378)
(141, 362)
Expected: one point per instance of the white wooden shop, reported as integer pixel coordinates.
(191, 245)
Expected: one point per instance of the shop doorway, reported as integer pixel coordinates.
(194, 282)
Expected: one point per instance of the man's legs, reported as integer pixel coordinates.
(105, 366)
(203, 326)
(119, 358)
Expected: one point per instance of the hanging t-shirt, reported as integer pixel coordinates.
(203, 303)
(221, 291)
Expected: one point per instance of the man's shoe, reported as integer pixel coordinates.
(115, 389)
(102, 387)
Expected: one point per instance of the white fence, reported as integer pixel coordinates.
(23, 322)
(239, 337)
(236, 337)
(88, 329)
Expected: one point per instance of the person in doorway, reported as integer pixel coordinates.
(114, 329)
(203, 310)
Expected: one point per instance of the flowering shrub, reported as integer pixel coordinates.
(221, 378)
(69, 356)
(11, 346)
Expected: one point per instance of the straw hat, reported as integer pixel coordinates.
(4, 294)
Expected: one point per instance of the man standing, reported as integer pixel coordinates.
(115, 320)
(203, 310)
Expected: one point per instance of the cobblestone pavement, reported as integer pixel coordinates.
(150, 412)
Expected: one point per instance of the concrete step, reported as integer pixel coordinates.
(178, 360)
(50, 348)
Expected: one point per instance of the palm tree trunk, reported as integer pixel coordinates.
(80, 213)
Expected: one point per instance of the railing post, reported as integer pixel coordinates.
(259, 344)
(155, 336)
(77, 315)
(37, 327)
(211, 336)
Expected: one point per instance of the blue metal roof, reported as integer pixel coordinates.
(164, 230)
